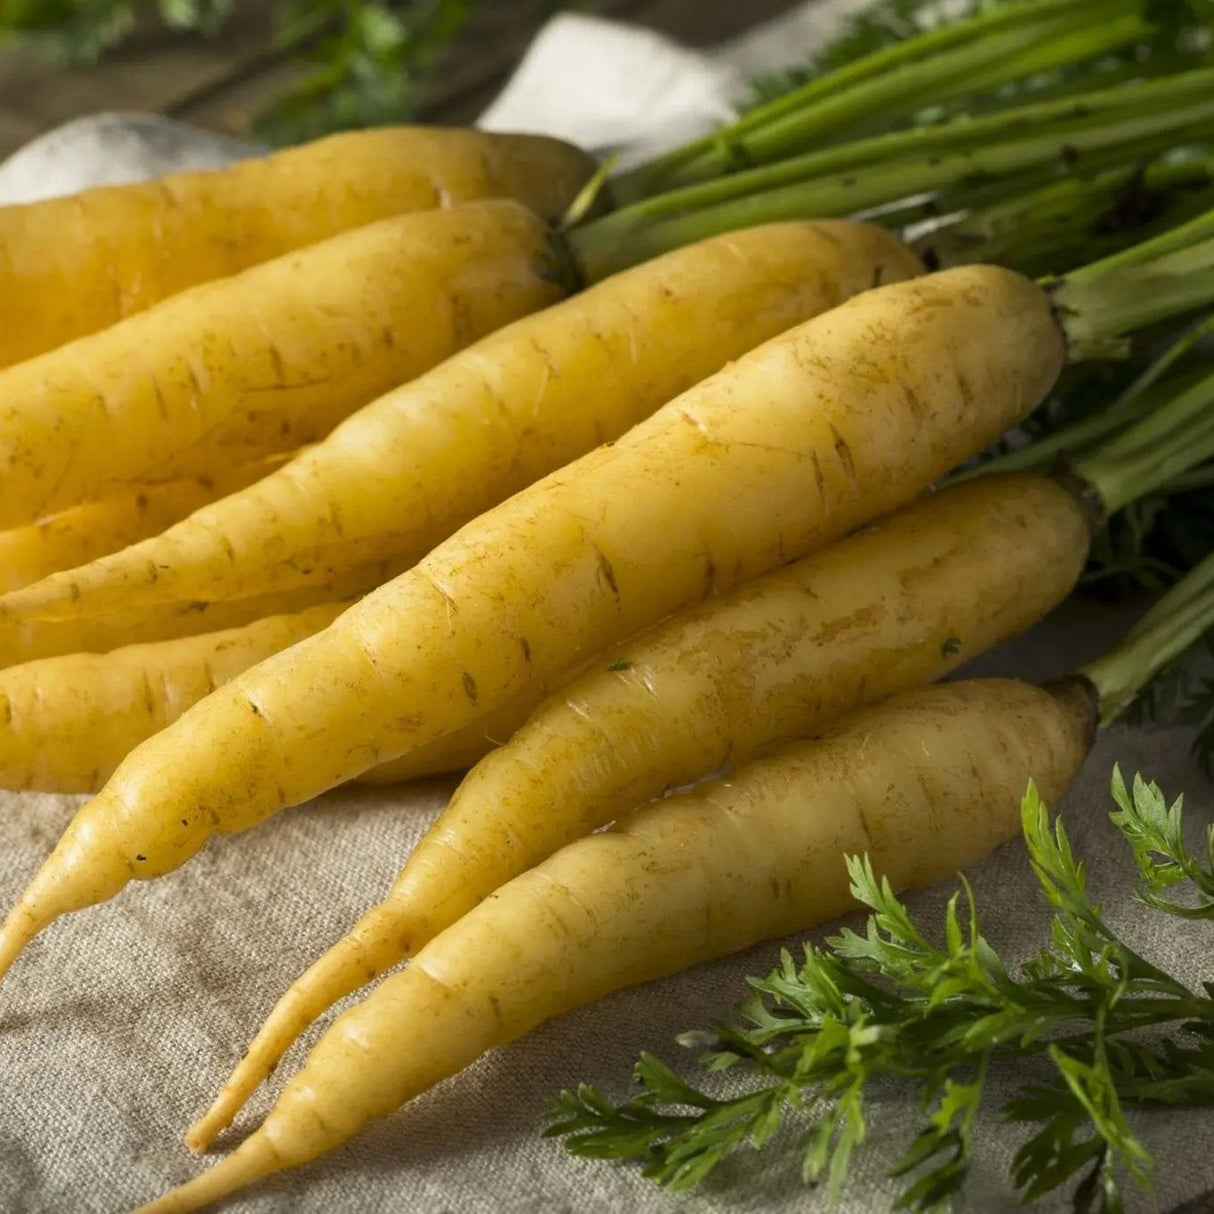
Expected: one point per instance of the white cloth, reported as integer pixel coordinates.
(620, 89)
(111, 149)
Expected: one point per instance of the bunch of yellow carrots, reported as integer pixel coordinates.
(348, 464)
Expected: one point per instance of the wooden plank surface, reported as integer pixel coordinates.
(223, 84)
(156, 70)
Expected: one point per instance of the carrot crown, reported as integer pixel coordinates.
(1157, 280)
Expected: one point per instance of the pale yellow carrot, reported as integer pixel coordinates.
(71, 266)
(832, 424)
(896, 606)
(924, 783)
(459, 750)
(31, 640)
(405, 472)
(94, 529)
(264, 361)
(66, 722)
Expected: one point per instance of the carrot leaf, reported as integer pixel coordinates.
(1153, 829)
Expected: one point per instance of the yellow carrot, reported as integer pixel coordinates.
(66, 722)
(834, 423)
(85, 532)
(459, 750)
(405, 472)
(896, 606)
(33, 640)
(265, 361)
(899, 603)
(71, 266)
(924, 783)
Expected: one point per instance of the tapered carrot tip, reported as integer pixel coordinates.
(214, 1121)
(374, 945)
(19, 929)
(291, 1016)
(80, 872)
(39, 906)
(253, 1159)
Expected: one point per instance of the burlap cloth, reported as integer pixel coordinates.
(119, 1024)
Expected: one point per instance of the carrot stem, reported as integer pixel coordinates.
(868, 173)
(1192, 482)
(1156, 280)
(1183, 616)
(955, 59)
(1154, 96)
(1035, 220)
(1166, 444)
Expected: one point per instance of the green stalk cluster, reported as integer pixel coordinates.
(957, 59)
(1177, 622)
(963, 153)
(1041, 223)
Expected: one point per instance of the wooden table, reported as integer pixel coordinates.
(223, 84)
